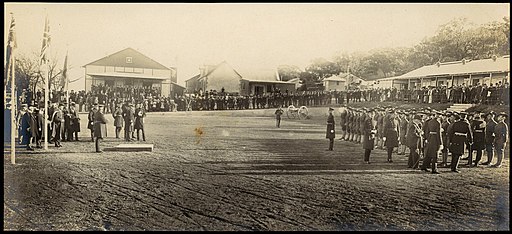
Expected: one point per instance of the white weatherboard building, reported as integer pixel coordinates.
(470, 72)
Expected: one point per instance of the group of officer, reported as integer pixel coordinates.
(64, 123)
(425, 132)
(125, 116)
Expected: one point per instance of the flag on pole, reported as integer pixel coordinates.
(11, 45)
(46, 42)
(64, 81)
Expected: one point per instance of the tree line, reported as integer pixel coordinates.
(456, 40)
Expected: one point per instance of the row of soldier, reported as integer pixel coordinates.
(424, 132)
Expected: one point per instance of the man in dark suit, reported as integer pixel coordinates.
(74, 122)
(489, 137)
(139, 122)
(458, 134)
(118, 119)
(128, 116)
(26, 127)
(501, 134)
(330, 134)
(434, 142)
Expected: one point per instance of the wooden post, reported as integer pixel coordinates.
(14, 101)
(490, 80)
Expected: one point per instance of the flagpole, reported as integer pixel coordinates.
(13, 112)
(46, 108)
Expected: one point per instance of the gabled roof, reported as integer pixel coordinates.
(211, 68)
(260, 75)
(118, 59)
(194, 77)
(501, 64)
(336, 78)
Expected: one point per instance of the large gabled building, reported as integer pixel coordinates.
(131, 68)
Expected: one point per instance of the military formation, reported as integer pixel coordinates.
(426, 133)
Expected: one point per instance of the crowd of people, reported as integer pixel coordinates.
(152, 101)
(425, 133)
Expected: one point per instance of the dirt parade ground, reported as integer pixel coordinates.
(234, 170)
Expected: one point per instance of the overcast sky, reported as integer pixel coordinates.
(187, 36)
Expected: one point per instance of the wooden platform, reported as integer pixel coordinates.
(131, 148)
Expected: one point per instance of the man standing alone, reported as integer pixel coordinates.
(278, 114)
(330, 129)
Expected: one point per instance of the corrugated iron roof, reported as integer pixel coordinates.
(502, 64)
(129, 75)
(118, 59)
(260, 75)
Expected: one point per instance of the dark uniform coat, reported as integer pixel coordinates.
(458, 134)
(90, 118)
(330, 133)
(100, 125)
(489, 132)
(343, 120)
(444, 134)
(139, 118)
(369, 132)
(128, 117)
(391, 132)
(432, 131)
(501, 133)
(414, 137)
(478, 129)
(404, 122)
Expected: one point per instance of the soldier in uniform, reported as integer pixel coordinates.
(447, 121)
(404, 122)
(369, 132)
(489, 137)
(343, 122)
(278, 114)
(139, 122)
(414, 140)
(90, 119)
(330, 134)
(362, 120)
(100, 127)
(434, 142)
(118, 119)
(380, 128)
(478, 128)
(57, 121)
(391, 132)
(128, 116)
(350, 118)
(458, 134)
(501, 137)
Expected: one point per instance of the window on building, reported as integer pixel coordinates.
(119, 69)
(128, 69)
(138, 70)
(128, 59)
(337, 83)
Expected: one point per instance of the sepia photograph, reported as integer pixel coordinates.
(256, 116)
